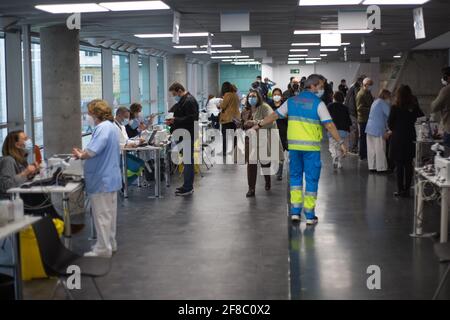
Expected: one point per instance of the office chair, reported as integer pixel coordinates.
(442, 251)
(56, 258)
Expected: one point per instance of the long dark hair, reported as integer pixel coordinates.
(404, 98)
(9, 147)
(258, 95)
(227, 87)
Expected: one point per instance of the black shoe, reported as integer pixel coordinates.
(183, 192)
(279, 178)
(250, 193)
(178, 189)
(373, 171)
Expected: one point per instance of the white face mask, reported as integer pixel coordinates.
(277, 98)
(444, 82)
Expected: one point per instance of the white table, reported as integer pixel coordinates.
(421, 178)
(157, 172)
(66, 190)
(11, 230)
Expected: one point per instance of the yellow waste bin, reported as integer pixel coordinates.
(30, 256)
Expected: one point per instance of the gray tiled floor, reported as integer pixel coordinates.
(219, 245)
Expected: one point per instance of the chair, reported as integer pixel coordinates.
(56, 258)
(442, 251)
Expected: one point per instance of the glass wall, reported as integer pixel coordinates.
(90, 82)
(161, 88)
(144, 84)
(3, 114)
(121, 79)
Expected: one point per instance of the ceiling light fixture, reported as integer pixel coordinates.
(218, 46)
(297, 55)
(329, 50)
(392, 2)
(185, 47)
(229, 57)
(219, 51)
(135, 5)
(347, 31)
(293, 62)
(169, 35)
(305, 44)
(328, 2)
(298, 50)
(71, 8)
(310, 61)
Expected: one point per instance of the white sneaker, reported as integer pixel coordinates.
(295, 218)
(114, 246)
(98, 254)
(312, 222)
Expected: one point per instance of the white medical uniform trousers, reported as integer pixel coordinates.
(104, 212)
(376, 153)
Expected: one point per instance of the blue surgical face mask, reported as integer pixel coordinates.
(177, 99)
(134, 124)
(28, 146)
(125, 122)
(320, 93)
(253, 101)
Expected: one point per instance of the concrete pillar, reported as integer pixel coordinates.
(14, 89)
(134, 78)
(213, 79)
(60, 74)
(176, 70)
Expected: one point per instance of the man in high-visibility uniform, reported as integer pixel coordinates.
(306, 114)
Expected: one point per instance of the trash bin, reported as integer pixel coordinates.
(6, 287)
(30, 256)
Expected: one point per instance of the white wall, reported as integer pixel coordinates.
(333, 71)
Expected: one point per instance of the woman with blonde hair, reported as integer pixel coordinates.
(102, 176)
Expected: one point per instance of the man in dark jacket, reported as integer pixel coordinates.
(185, 114)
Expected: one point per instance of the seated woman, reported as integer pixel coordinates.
(14, 171)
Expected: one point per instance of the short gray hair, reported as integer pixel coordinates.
(313, 80)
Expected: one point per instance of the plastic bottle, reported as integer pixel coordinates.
(18, 209)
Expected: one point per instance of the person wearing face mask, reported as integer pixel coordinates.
(306, 114)
(102, 176)
(364, 100)
(255, 111)
(377, 132)
(293, 90)
(14, 169)
(277, 101)
(350, 102)
(442, 104)
(136, 123)
(185, 113)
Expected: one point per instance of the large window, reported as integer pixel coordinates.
(144, 84)
(37, 92)
(121, 79)
(3, 115)
(90, 82)
(161, 88)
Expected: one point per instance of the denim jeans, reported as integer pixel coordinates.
(188, 171)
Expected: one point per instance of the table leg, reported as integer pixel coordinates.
(167, 165)
(444, 215)
(158, 173)
(15, 239)
(67, 222)
(124, 174)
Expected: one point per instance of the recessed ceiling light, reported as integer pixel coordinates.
(169, 35)
(324, 55)
(293, 62)
(329, 50)
(305, 44)
(399, 2)
(246, 63)
(298, 50)
(320, 31)
(310, 61)
(218, 46)
(185, 47)
(71, 8)
(328, 2)
(298, 55)
(313, 58)
(227, 60)
(345, 43)
(135, 5)
(397, 56)
(219, 51)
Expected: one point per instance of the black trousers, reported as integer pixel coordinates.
(225, 127)
(252, 174)
(405, 172)
(362, 141)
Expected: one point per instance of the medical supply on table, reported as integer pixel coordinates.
(426, 130)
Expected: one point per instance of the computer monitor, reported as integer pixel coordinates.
(151, 139)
